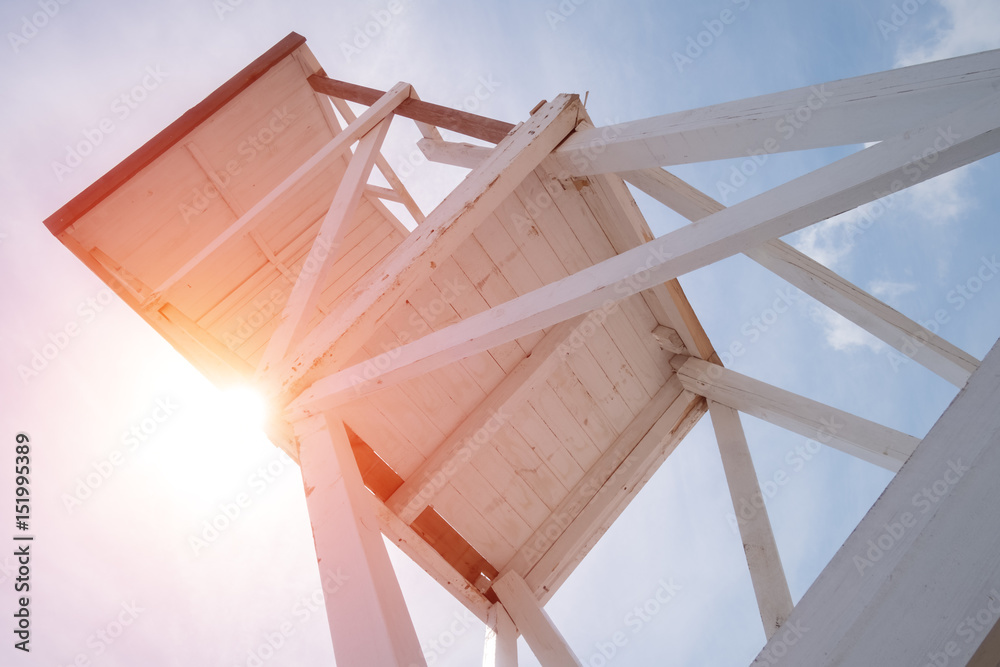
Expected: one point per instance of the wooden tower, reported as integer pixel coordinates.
(492, 388)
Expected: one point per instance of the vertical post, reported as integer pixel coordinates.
(542, 636)
(369, 622)
(501, 639)
(769, 584)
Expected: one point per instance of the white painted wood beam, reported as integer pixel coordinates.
(459, 154)
(369, 622)
(819, 282)
(850, 111)
(559, 544)
(542, 636)
(500, 648)
(301, 304)
(918, 581)
(356, 317)
(879, 319)
(865, 439)
(768, 576)
(886, 167)
(461, 445)
(383, 165)
(336, 147)
(432, 562)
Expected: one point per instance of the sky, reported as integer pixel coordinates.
(134, 455)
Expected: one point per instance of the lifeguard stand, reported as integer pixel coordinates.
(492, 388)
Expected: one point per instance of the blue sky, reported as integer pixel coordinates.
(124, 552)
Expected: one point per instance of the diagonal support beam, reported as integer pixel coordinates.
(369, 622)
(850, 111)
(356, 317)
(336, 147)
(542, 636)
(768, 576)
(865, 439)
(383, 165)
(600, 497)
(500, 647)
(867, 175)
(453, 152)
(459, 448)
(326, 247)
(841, 296)
(916, 583)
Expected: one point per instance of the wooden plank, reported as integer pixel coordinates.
(455, 153)
(326, 247)
(768, 576)
(599, 494)
(432, 562)
(917, 581)
(171, 135)
(391, 178)
(473, 526)
(461, 445)
(351, 323)
(845, 184)
(534, 624)
(500, 648)
(614, 497)
(368, 618)
(865, 439)
(462, 122)
(332, 150)
(850, 301)
(596, 477)
(850, 111)
(381, 480)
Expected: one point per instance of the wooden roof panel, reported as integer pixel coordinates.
(541, 457)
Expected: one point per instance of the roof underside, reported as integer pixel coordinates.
(534, 497)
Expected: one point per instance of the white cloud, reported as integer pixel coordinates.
(969, 26)
(842, 334)
(941, 199)
(888, 290)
